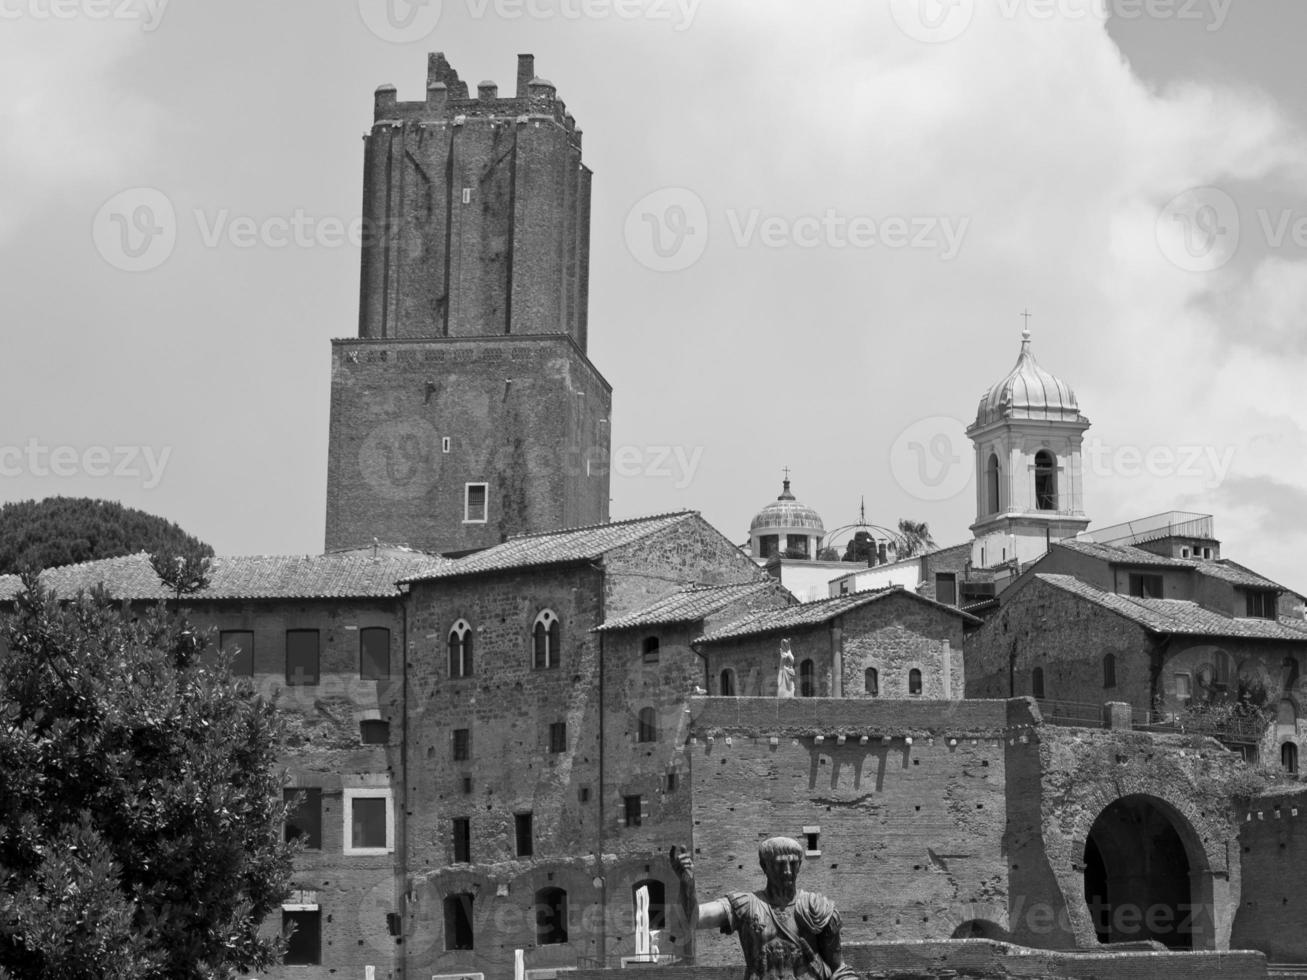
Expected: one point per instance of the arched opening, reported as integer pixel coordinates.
(1045, 481)
(1138, 875)
(657, 902)
(914, 681)
(980, 929)
(545, 640)
(551, 916)
(871, 682)
(647, 727)
(807, 679)
(1037, 682)
(727, 683)
(460, 649)
(991, 485)
(1289, 758)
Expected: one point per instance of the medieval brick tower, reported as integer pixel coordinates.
(466, 410)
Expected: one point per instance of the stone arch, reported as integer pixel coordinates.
(1146, 873)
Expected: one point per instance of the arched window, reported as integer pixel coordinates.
(807, 679)
(649, 650)
(991, 485)
(657, 902)
(1289, 757)
(1037, 682)
(647, 729)
(460, 649)
(545, 640)
(727, 688)
(914, 681)
(871, 682)
(1045, 481)
(1109, 670)
(551, 916)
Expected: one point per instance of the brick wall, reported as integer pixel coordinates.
(1273, 854)
(528, 416)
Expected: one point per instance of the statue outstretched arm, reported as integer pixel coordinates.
(710, 915)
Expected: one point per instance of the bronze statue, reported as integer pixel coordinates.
(785, 933)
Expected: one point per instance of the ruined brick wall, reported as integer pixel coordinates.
(1273, 855)
(526, 415)
(896, 634)
(910, 835)
(1068, 638)
(325, 751)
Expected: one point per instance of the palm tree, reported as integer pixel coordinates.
(916, 538)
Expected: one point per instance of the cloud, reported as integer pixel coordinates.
(68, 117)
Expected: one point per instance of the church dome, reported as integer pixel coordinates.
(787, 514)
(1029, 392)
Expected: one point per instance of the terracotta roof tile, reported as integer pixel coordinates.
(689, 605)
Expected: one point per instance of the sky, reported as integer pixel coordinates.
(815, 229)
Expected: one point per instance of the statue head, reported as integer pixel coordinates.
(780, 858)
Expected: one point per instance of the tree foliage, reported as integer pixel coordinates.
(917, 539)
(66, 530)
(140, 805)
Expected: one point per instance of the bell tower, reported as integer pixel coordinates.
(467, 409)
(1027, 437)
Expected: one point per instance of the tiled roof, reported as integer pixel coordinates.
(1179, 615)
(556, 547)
(689, 605)
(815, 613)
(1236, 574)
(346, 575)
(1122, 554)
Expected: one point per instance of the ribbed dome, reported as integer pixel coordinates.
(786, 513)
(1029, 392)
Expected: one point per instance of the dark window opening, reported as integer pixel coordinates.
(991, 485)
(558, 737)
(1289, 757)
(240, 643)
(367, 821)
(304, 937)
(671, 782)
(374, 653)
(1037, 682)
(462, 840)
(651, 649)
(460, 650)
(946, 588)
(812, 838)
(462, 744)
(631, 807)
(545, 640)
(728, 683)
(551, 916)
(301, 658)
(458, 921)
(304, 818)
(1109, 670)
(914, 681)
(1260, 604)
(796, 546)
(1145, 586)
(871, 682)
(374, 731)
(647, 729)
(525, 840)
(807, 679)
(1045, 481)
(769, 545)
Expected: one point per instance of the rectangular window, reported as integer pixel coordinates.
(1184, 687)
(369, 821)
(240, 643)
(462, 840)
(769, 545)
(304, 932)
(1260, 604)
(671, 782)
(467, 785)
(558, 737)
(812, 841)
(631, 806)
(796, 545)
(1145, 586)
(301, 658)
(374, 731)
(458, 921)
(525, 839)
(462, 744)
(374, 653)
(304, 819)
(946, 588)
(474, 503)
